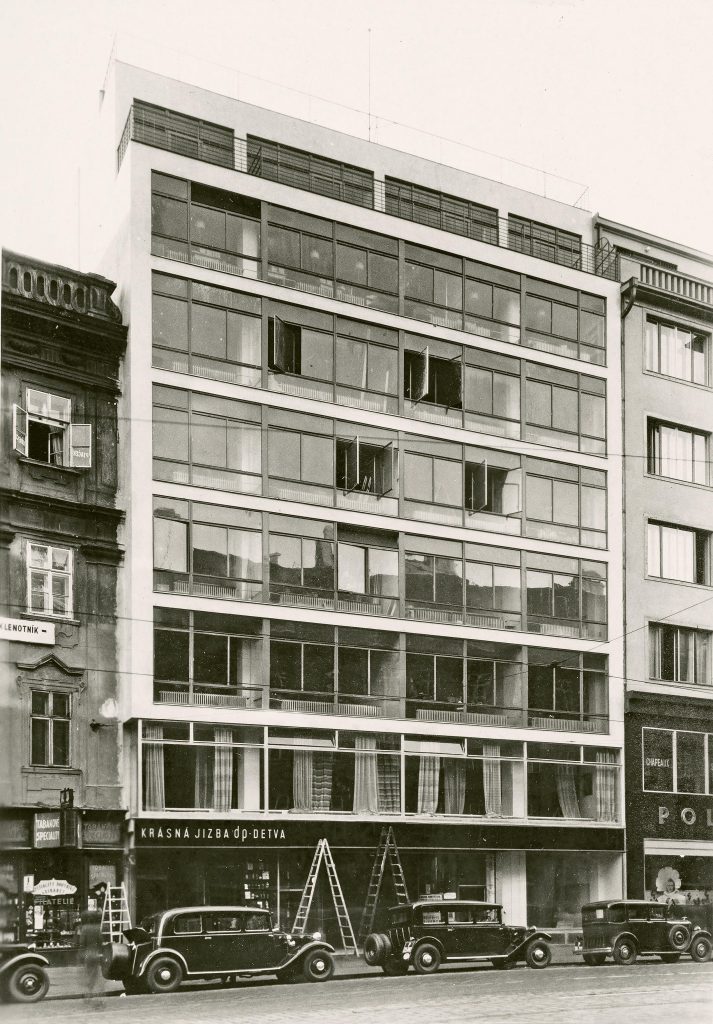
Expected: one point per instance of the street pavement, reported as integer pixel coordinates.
(649, 992)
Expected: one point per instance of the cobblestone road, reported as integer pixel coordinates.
(646, 993)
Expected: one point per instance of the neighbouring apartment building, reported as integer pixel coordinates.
(62, 822)
(667, 311)
(372, 516)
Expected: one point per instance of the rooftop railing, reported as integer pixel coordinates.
(209, 143)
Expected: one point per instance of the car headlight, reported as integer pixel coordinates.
(316, 935)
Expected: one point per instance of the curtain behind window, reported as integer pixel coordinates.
(454, 785)
(222, 770)
(302, 772)
(203, 789)
(388, 770)
(567, 790)
(605, 784)
(154, 788)
(366, 786)
(429, 771)
(492, 779)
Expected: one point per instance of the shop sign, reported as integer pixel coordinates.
(26, 631)
(54, 887)
(210, 835)
(101, 833)
(46, 831)
(678, 817)
(28, 883)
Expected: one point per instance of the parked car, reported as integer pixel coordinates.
(23, 974)
(213, 942)
(428, 933)
(626, 929)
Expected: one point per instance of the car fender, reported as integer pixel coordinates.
(24, 958)
(531, 936)
(412, 945)
(157, 953)
(307, 948)
(696, 934)
(625, 935)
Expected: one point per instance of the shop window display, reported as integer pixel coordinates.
(682, 881)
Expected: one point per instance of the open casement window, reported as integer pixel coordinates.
(418, 375)
(44, 432)
(19, 430)
(284, 347)
(446, 382)
(492, 489)
(364, 467)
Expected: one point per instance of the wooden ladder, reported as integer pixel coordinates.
(323, 853)
(386, 850)
(115, 913)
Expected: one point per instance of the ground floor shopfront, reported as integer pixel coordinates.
(669, 826)
(541, 875)
(50, 873)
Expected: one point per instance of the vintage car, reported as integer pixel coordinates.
(23, 975)
(626, 929)
(213, 942)
(428, 933)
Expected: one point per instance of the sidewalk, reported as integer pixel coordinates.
(67, 982)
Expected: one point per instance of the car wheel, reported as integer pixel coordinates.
(701, 949)
(377, 948)
(670, 958)
(624, 952)
(594, 959)
(679, 936)
(164, 975)
(538, 955)
(318, 965)
(395, 967)
(28, 983)
(426, 959)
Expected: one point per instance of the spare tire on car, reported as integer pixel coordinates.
(377, 948)
(116, 961)
(679, 936)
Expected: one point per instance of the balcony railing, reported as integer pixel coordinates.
(201, 141)
(86, 294)
(691, 288)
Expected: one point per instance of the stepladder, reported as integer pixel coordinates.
(115, 913)
(323, 853)
(386, 852)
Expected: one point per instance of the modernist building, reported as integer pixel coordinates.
(60, 788)
(667, 310)
(372, 402)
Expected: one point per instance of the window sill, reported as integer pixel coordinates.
(45, 617)
(39, 769)
(677, 480)
(72, 470)
(678, 380)
(679, 583)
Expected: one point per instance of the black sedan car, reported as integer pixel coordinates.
(627, 929)
(213, 942)
(23, 975)
(425, 934)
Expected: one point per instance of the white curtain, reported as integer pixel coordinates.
(677, 554)
(567, 790)
(429, 771)
(154, 784)
(605, 785)
(673, 452)
(389, 773)
(454, 785)
(366, 785)
(222, 770)
(203, 789)
(492, 779)
(302, 771)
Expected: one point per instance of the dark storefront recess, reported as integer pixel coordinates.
(670, 833)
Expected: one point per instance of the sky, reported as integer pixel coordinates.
(615, 94)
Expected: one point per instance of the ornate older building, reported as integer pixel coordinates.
(60, 737)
